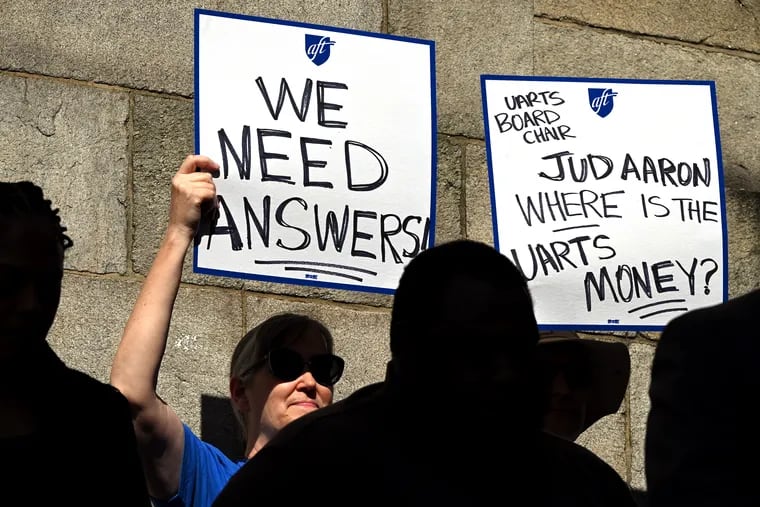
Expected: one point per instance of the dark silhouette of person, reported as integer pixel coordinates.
(584, 379)
(457, 420)
(700, 441)
(65, 437)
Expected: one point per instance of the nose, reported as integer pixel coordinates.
(306, 382)
(560, 386)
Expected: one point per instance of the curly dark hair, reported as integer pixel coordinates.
(23, 199)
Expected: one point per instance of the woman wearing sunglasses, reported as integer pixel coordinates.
(280, 370)
(584, 380)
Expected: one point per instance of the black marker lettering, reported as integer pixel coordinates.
(285, 89)
(264, 156)
(322, 105)
(243, 163)
(313, 163)
(365, 187)
(362, 235)
(278, 216)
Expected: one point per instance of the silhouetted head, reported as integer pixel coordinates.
(583, 380)
(463, 321)
(32, 243)
(280, 370)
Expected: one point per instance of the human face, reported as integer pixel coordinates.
(31, 270)
(567, 390)
(271, 403)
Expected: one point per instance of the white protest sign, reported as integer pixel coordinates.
(608, 194)
(326, 140)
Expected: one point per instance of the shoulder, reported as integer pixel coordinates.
(92, 402)
(206, 455)
(75, 385)
(568, 451)
(205, 471)
(692, 336)
(341, 421)
(82, 384)
(582, 471)
(322, 442)
(737, 311)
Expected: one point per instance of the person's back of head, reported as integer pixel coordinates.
(32, 242)
(463, 327)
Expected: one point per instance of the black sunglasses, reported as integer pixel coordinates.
(287, 365)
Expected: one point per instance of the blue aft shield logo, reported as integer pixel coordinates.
(318, 48)
(600, 100)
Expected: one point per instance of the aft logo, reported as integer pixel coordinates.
(318, 48)
(600, 100)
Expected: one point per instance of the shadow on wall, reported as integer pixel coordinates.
(219, 426)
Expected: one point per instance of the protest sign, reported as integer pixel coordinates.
(608, 194)
(326, 140)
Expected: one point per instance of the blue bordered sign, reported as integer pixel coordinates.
(327, 141)
(608, 194)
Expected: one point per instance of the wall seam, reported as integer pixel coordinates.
(129, 232)
(701, 46)
(243, 313)
(95, 84)
(385, 21)
(628, 436)
(463, 191)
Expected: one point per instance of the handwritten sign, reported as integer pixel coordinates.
(608, 194)
(326, 140)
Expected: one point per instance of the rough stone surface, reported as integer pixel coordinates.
(724, 23)
(606, 439)
(743, 222)
(90, 321)
(206, 326)
(163, 137)
(478, 194)
(472, 38)
(71, 141)
(142, 45)
(449, 192)
(360, 334)
(564, 51)
(354, 14)
(638, 392)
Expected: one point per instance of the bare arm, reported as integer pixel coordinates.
(135, 368)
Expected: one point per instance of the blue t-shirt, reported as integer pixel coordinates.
(205, 471)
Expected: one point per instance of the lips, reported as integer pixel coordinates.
(306, 404)
(560, 406)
